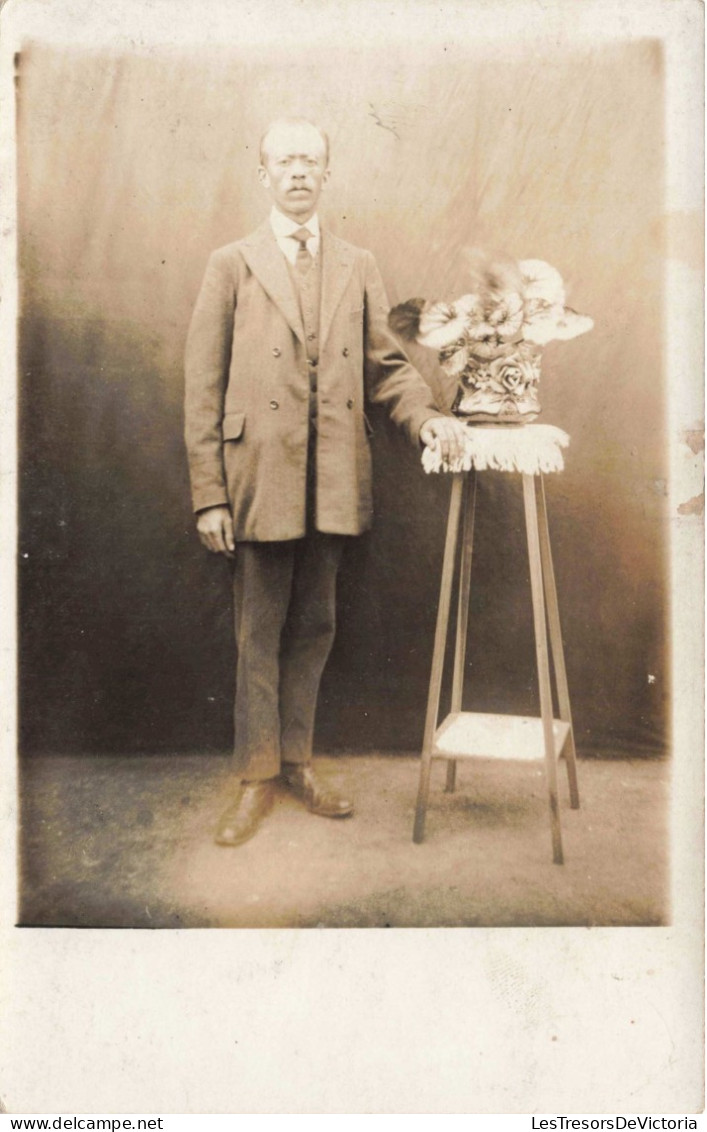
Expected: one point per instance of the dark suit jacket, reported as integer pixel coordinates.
(247, 389)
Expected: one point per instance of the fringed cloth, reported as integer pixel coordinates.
(530, 449)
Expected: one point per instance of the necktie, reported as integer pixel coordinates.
(303, 261)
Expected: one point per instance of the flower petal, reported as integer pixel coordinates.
(541, 281)
(556, 326)
(441, 326)
(541, 328)
(572, 325)
(468, 304)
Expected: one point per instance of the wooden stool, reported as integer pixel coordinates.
(476, 735)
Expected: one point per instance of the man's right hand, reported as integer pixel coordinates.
(215, 528)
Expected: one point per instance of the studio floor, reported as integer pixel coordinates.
(127, 842)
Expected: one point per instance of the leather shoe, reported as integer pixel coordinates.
(318, 799)
(240, 821)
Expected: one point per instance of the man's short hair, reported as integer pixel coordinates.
(294, 121)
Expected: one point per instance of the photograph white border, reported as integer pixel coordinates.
(372, 1021)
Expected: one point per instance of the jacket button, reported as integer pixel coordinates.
(276, 352)
(274, 404)
(345, 351)
(349, 404)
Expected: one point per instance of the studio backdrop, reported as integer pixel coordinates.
(132, 169)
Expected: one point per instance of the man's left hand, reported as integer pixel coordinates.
(447, 434)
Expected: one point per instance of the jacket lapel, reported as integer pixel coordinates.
(337, 265)
(266, 261)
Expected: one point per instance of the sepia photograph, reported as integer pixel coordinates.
(346, 436)
(278, 575)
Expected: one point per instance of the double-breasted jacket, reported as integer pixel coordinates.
(247, 389)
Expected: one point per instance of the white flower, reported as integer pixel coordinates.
(541, 282)
(507, 315)
(441, 325)
(498, 317)
(541, 326)
(512, 303)
(470, 305)
(555, 324)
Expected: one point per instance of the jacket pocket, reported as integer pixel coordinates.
(233, 425)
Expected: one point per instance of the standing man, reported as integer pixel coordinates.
(288, 338)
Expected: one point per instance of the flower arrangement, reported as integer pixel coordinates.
(490, 340)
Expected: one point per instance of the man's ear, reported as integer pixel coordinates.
(263, 176)
(325, 178)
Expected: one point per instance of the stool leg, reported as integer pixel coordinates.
(558, 654)
(543, 661)
(469, 510)
(445, 600)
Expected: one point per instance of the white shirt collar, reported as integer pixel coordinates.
(283, 228)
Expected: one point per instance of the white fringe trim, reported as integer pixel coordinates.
(529, 449)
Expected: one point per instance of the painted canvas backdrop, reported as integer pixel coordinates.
(132, 168)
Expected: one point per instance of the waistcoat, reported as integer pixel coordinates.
(308, 289)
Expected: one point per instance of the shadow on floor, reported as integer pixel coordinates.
(127, 842)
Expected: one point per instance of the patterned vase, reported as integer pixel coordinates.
(501, 388)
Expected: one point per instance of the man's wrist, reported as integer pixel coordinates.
(427, 420)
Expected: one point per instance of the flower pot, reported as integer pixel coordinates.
(501, 388)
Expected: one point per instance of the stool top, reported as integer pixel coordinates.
(529, 449)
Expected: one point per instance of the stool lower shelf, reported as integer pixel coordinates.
(515, 738)
(520, 738)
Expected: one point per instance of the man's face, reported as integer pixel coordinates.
(294, 169)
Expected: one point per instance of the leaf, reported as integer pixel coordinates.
(455, 363)
(405, 318)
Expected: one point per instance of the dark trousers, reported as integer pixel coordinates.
(285, 621)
